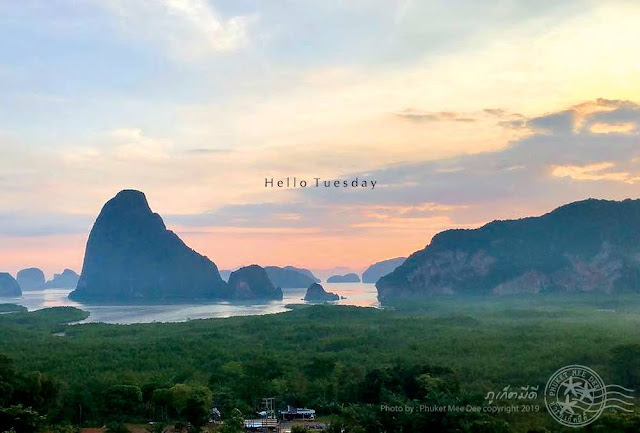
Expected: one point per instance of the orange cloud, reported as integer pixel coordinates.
(612, 128)
(593, 172)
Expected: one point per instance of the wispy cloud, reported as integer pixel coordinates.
(442, 116)
(189, 29)
(594, 172)
(207, 151)
(132, 144)
(561, 158)
(122, 144)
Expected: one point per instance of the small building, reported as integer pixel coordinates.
(261, 424)
(297, 413)
(214, 415)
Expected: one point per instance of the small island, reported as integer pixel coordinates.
(9, 287)
(68, 279)
(30, 279)
(303, 271)
(347, 278)
(288, 278)
(252, 282)
(316, 293)
(12, 308)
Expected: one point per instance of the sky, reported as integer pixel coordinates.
(462, 111)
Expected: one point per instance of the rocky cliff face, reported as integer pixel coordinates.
(131, 256)
(31, 279)
(347, 278)
(68, 279)
(380, 269)
(252, 282)
(9, 287)
(587, 246)
(316, 293)
(288, 278)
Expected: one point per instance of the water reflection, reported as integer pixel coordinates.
(359, 294)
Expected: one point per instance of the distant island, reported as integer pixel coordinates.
(252, 282)
(586, 246)
(303, 271)
(131, 256)
(34, 279)
(12, 308)
(317, 293)
(68, 279)
(9, 287)
(347, 278)
(31, 279)
(289, 277)
(380, 269)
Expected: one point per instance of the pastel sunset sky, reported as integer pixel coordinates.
(463, 111)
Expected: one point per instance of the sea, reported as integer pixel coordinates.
(357, 294)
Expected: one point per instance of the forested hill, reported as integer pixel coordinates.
(586, 246)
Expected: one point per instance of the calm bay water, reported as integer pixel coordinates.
(359, 294)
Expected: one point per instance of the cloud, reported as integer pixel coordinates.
(123, 145)
(189, 29)
(556, 123)
(612, 128)
(561, 159)
(487, 114)
(601, 116)
(442, 116)
(499, 112)
(593, 172)
(207, 151)
(24, 225)
(322, 217)
(132, 144)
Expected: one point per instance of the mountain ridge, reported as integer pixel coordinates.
(589, 245)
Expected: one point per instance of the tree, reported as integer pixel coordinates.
(34, 390)
(20, 419)
(7, 380)
(117, 427)
(233, 424)
(617, 423)
(38, 391)
(626, 364)
(123, 400)
(65, 429)
(196, 411)
(162, 399)
(335, 426)
(156, 427)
